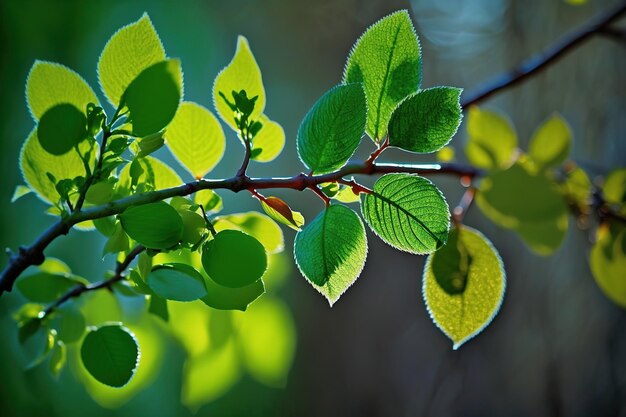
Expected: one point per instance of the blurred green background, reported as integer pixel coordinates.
(556, 347)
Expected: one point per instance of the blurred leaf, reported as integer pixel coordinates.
(20, 191)
(130, 50)
(69, 324)
(196, 139)
(61, 128)
(387, 60)
(426, 121)
(153, 97)
(551, 143)
(154, 225)
(331, 251)
(177, 281)
(110, 353)
(463, 314)
(43, 287)
(269, 142)
(332, 130)
(242, 73)
(608, 262)
(407, 212)
(158, 307)
(577, 188)
(491, 139)
(54, 266)
(529, 204)
(614, 189)
(280, 211)
(58, 358)
(257, 225)
(446, 154)
(234, 259)
(49, 84)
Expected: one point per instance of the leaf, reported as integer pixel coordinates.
(209, 199)
(163, 176)
(69, 324)
(332, 130)
(261, 227)
(614, 189)
(35, 163)
(44, 287)
(242, 73)
(58, 358)
(100, 193)
(49, 84)
(110, 354)
(426, 121)
(158, 307)
(551, 143)
(407, 212)
(269, 142)
(387, 60)
(491, 139)
(527, 203)
(608, 262)
(154, 225)
(194, 226)
(154, 96)
(224, 298)
(280, 211)
(117, 242)
(330, 252)
(196, 139)
(461, 315)
(577, 188)
(20, 191)
(130, 50)
(234, 259)
(177, 282)
(61, 128)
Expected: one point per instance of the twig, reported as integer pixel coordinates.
(461, 209)
(320, 194)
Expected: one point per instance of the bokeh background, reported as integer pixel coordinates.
(557, 346)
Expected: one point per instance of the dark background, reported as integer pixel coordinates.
(556, 347)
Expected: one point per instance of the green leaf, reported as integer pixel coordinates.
(224, 298)
(387, 60)
(117, 242)
(551, 143)
(155, 225)
(608, 262)
(130, 50)
(278, 210)
(176, 281)
(269, 142)
(407, 212)
(20, 191)
(69, 324)
(194, 226)
(158, 307)
(257, 225)
(196, 139)
(332, 130)
(234, 259)
(209, 199)
(527, 203)
(35, 163)
(160, 174)
(100, 193)
(154, 96)
(464, 312)
(44, 287)
(61, 128)
(331, 251)
(426, 121)
(577, 188)
(49, 84)
(58, 358)
(614, 189)
(491, 139)
(242, 73)
(110, 354)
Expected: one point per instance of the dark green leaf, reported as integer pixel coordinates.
(61, 128)
(224, 298)
(158, 307)
(43, 287)
(69, 324)
(176, 281)
(155, 225)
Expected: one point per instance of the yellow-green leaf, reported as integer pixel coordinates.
(280, 211)
(491, 139)
(269, 142)
(608, 262)
(164, 176)
(257, 225)
(551, 142)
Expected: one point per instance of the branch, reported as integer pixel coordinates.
(80, 289)
(540, 61)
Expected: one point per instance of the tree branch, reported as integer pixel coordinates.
(540, 61)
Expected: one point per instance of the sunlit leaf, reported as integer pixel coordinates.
(278, 210)
(257, 225)
(608, 262)
(491, 139)
(209, 199)
(20, 191)
(162, 174)
(614, 189)
(551, 142)
(269, 142)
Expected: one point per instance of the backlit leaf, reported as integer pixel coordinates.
(614, 189)
(257, 225)
(491, 139)
(269, 142)
(280, 211)
(551, 142)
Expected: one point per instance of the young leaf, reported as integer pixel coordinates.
(50, 84)
(278, 210)
(426, 121)
(44, 287)
(332, 130)
(463, 285)
(196, 139)
(177, 282)
(331, 251)
(61, 128)
(110, 354)
(130, 50)
(387, 60)
(154, 225)
(234, 259)
(541, 221)
(491, 139)
(242, 73)
(551, 142)
(407, 212)
(608, 262)
(261, 227)
(153, 97)
(269, 142)
(224, 298)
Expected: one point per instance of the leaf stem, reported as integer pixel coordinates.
(320, 194)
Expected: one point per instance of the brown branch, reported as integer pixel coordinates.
(540, 61)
